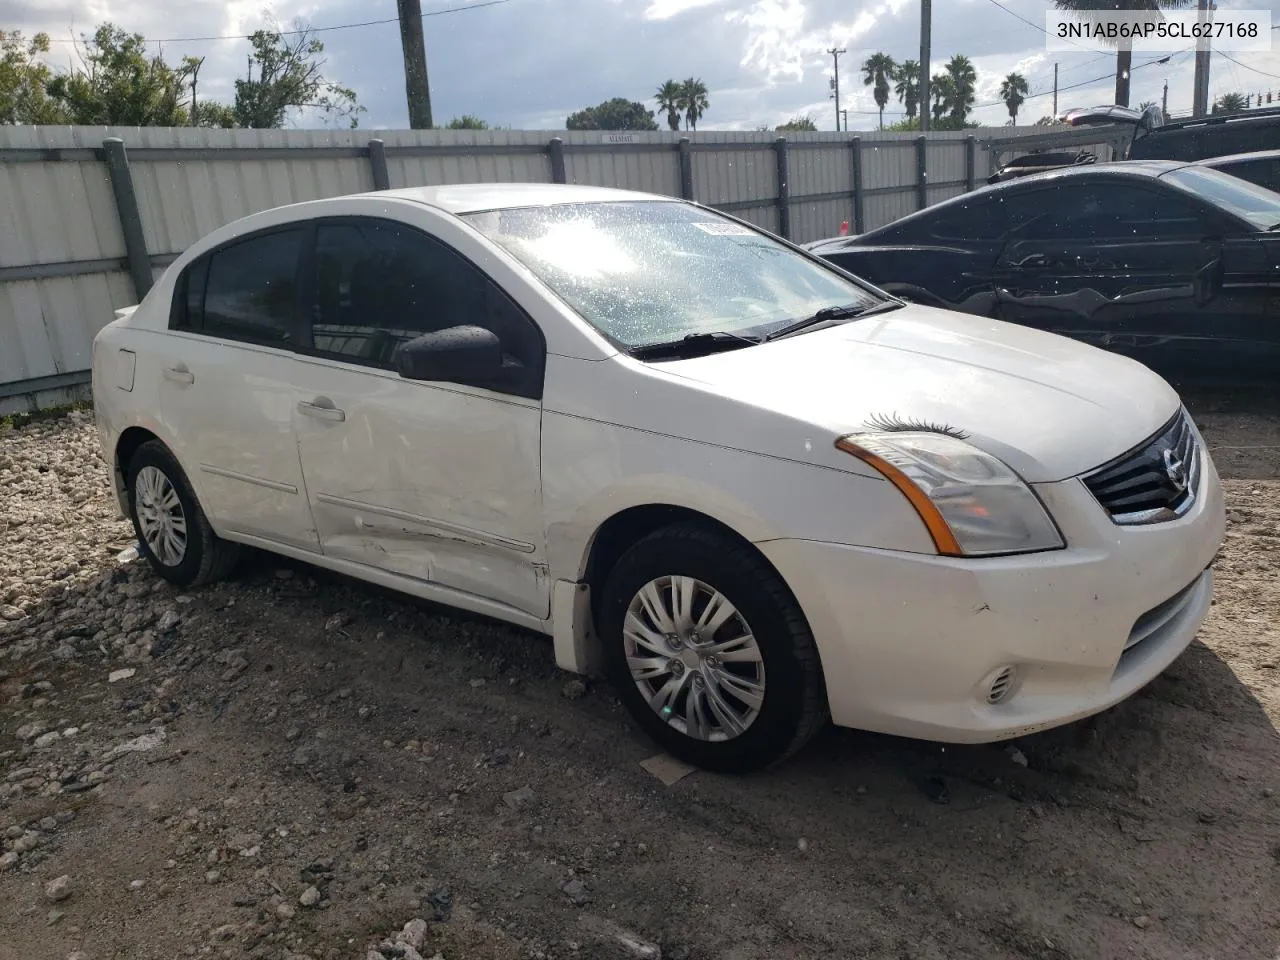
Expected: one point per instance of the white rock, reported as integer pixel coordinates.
(115, 676)
(310, 897)
(414, 933)
(58, 889)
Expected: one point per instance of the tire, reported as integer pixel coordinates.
(152, 474)
(784, 661)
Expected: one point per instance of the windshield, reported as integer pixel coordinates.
(651, 271)
(1256, 204)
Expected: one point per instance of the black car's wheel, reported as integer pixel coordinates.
(709, 651)
(173, 532)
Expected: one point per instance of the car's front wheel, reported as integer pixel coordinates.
(709, 651)
(173, 532)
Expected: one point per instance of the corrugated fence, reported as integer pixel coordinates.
(90, 215)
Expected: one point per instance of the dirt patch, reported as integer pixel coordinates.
(299, 765)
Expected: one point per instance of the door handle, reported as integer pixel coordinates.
(321, 411)
(180, 374)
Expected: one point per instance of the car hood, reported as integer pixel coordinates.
(1048, 406)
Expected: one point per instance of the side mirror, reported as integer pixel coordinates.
(464, 354)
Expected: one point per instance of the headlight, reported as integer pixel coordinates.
(972, 504)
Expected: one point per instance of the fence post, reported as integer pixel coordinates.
(784, 189)
(970, 162)
(686, 168)
(135, 243)
(556, 150)
(922, 171)
(855, 151)
(378, 163)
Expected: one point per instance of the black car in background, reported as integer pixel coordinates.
(1261, 167)
(1174, 264)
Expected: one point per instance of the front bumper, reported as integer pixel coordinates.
(910, 643)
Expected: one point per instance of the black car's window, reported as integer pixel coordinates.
(974, 221)
(379, 284)
(1107, 211)
(1265, 171)
(250, 290)
(1248, 201)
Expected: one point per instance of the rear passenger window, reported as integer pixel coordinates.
(251, 291)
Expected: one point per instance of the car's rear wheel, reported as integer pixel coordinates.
(173, 532)
(709, 651)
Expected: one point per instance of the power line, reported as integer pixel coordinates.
(1274, 76)
(340, 26)
(1031, 23)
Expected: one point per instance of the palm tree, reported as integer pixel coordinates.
(1013, 91)
(943, 89)
(879, 71)
(964, 82)
(907, 87)
(693, 101)
(668, 97)
(1124, 58)
(1230, 103)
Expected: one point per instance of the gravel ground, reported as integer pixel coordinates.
(294, 765)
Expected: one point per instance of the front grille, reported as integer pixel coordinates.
(1155, 482)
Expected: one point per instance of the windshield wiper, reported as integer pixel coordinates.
(848, 311)
(693, 345)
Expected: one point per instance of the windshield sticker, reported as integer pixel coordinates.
(725, 229)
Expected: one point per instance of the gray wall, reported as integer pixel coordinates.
(84, 224)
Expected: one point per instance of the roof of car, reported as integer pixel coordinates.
(473, 197)
(1231, 158)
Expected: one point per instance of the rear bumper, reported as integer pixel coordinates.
(910, 643)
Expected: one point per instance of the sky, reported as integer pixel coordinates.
(527, 64)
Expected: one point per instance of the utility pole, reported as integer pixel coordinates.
(926, 18)
(835, 83)
(1055, 91)
(846, 120)
(1164, 103)
(415, 64)
(1200, 100)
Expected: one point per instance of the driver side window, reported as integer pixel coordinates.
(379, 283)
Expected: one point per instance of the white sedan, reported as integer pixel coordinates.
(756, 491)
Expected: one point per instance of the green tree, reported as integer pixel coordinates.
(878, 72)
(1013, 91)
(800, 124)
(670, 97)
(1088, 9)
(962, 88)
(694, 101)
(118, 84)
(942, 92)
(467, 122)
(1230, 103)
(616, 114)
(24, 79)
(290, 77)
(906, 87)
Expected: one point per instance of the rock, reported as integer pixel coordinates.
(11, 613)
(519, 799)
(29, 731)
(285, 912)
(574, 690)
(115, 676)
(58, 889)
(77, 955)
(46, 740)
(802, 845)
(414, 933)
(638, 948)
(336, 622)
(27, 842)
(225, 932)
(49, 824)
(1142, 922)
(54, 917)
(1017, 756)
(9, 860)
(1207, 816)
(168, 620)
(1268, 792)
(143, 744)
(576, 891)
(137, 884)
(310, 897)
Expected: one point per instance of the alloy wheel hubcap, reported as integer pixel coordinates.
(160, 516)
(694, 658)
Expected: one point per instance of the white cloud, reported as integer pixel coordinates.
(666, 9)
